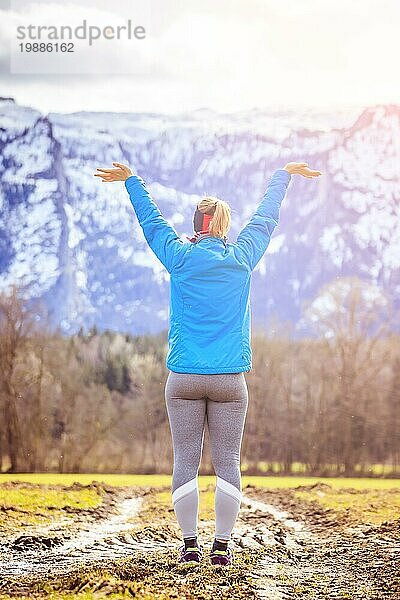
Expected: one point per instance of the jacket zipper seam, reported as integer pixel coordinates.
(178, 285)
(241, 303)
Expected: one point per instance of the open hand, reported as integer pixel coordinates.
(303, 169)
(121, 173)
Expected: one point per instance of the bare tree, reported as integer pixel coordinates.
(393, 415)
(16, 323)
(352, 317)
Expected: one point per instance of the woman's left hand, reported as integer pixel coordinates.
(121, 173)
(303, 169)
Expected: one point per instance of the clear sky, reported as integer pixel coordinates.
(227, 55)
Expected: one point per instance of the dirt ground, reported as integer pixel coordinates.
(287, 545)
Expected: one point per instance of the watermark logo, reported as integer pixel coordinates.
(92, 37)
(90, 33)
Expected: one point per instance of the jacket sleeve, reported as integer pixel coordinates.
(254, 238)
(160, 235)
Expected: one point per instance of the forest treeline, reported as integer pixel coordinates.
(94, 402)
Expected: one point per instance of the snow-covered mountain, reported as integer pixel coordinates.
(76, 243)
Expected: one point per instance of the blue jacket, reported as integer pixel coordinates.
(210, 317)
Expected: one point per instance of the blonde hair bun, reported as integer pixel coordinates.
(221, 221)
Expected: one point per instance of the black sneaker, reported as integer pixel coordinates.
(221, 555)
(191, 555)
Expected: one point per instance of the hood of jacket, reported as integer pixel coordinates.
(199, 235)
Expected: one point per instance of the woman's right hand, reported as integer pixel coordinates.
(303, 169)
(120, 173)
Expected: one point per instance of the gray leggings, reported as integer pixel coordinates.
(221, 400)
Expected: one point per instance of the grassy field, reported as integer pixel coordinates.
(369, 506)
(31, 500)
(274, 482)
(376, 470)
(42, 504)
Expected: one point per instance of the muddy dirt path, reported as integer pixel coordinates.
(317, 555)
(284, 549)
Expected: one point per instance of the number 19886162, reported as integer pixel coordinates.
(46, 47)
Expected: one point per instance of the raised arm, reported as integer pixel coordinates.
(254, 238)
(160, 235)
